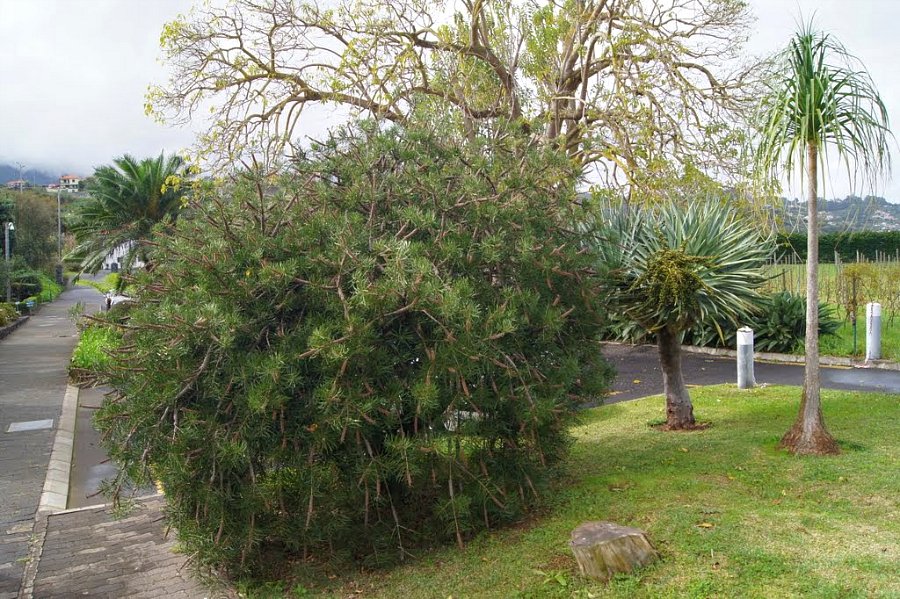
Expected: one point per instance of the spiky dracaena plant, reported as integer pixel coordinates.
(820, 98)
(127, 199)
(672, 266)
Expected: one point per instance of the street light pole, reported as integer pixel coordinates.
(59, 265)
(58, 227)
(7, 227)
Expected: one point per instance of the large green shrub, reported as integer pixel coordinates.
(379, 351)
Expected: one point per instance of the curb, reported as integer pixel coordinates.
(798, 359)
(4, 331)
(55, 495)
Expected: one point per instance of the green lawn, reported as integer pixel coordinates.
(731, 515)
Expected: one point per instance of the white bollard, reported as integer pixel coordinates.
(745, 377)
(873, 331)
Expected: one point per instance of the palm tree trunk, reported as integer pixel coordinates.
(679, 410)
(808, 435)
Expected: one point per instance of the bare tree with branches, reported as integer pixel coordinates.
(641, 88)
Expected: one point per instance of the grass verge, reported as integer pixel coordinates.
(50, 289)
(731, 515)
(94, 347)
(105, 285)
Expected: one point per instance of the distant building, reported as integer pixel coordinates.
(118, 256)
(17, 184)
(69, 183)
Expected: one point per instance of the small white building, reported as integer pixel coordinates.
(69, 183)
(117, 257)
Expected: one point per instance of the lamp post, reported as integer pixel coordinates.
(58, 226)
(7, 227)
(59, 268)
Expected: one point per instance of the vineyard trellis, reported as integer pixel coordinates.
(846, 286)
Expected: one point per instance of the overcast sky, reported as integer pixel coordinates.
(73, 73)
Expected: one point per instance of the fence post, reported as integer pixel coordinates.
(745, 376)
(873, 331)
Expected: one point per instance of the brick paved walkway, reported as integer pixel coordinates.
(88, 553)
(33, 363)
(83, 553)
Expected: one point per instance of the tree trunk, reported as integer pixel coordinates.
(679, 410)
(808, 434)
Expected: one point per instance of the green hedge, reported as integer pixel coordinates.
(867, 243)
(49, 289)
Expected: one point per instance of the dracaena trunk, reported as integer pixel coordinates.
(679, 410)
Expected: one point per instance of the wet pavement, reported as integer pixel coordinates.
(90, 465)
(639, 374)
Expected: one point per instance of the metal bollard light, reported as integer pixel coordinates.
(745, 376)
(873, 331)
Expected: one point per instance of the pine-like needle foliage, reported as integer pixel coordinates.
(379, 351)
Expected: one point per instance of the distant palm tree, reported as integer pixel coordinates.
(127, 199)
(670, 267)
(820, 97)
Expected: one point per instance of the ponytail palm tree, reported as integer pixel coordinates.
(820, 100)
(128, 198)
(670, 267)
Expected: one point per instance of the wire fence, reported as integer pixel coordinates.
(846, 286)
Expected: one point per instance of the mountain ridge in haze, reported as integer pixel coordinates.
(34, 176)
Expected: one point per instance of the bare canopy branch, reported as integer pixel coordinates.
(643, 86)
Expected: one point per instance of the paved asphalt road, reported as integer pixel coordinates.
(639, 375)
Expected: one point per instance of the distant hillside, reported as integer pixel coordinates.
(8, 173)
(850, 214)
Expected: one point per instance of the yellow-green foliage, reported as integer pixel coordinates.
(671, 278)
(8, 314)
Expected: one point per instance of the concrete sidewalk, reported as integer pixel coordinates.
(33, 375)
